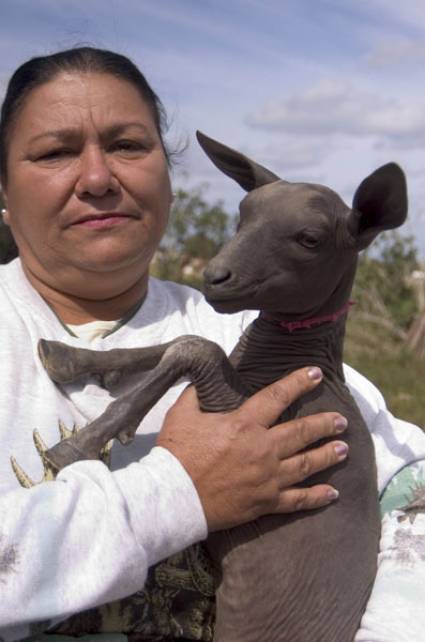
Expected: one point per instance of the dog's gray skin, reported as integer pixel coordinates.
(305, 577)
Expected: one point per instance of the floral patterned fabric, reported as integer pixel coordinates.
(395, 612)
(177, 602)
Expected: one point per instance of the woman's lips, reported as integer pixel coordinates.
(103, 221)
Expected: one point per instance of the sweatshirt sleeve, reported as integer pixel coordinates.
(397, 442)
(88, 537)
(395, 611)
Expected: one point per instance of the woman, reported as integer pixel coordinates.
(85, 178)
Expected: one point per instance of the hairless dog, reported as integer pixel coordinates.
(304, 577)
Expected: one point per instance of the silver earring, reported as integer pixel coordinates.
(3, 211)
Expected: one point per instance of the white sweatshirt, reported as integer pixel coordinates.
(89, 537)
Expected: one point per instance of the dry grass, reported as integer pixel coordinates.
(381, 356)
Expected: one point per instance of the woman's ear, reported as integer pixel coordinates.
(5, 217)
(4, 212)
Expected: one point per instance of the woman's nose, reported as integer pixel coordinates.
(95, 176)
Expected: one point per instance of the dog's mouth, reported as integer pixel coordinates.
(231, 298)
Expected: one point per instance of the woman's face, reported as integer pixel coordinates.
(88, 189)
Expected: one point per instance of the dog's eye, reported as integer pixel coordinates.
(308, 240)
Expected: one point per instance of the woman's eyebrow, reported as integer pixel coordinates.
(119, 128)
(59, 134)
(70, 133)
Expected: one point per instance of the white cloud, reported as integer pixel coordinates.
(406, 14)
(337, 107)
(288, 154)
(397, 52)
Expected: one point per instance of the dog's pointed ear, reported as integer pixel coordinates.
(380, 203)
(242, 169)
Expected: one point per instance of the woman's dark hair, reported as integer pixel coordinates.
(38, 71)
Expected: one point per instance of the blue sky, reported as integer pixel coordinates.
(317, 90)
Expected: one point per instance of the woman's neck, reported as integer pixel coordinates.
(102, 303)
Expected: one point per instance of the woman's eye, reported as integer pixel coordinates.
(54, 154)
(129, 147)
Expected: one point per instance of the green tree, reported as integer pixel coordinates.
(382, 283)
(378, 329)
(195, 233)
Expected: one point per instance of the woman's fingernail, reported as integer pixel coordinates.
(340, 423)
(341, 450)
(332, 494)
(315, 373)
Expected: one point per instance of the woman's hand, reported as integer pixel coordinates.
(240, 466)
